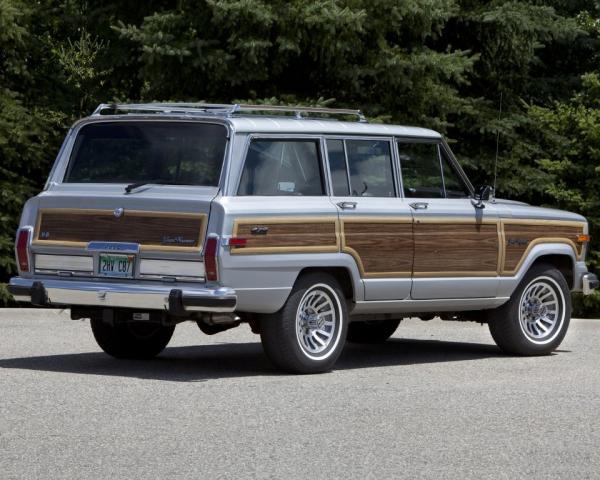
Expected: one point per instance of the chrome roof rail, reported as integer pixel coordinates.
(221, 109)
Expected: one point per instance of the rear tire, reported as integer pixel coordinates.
(536, 318)
(131, 339)
(377, 331)
(308, 334)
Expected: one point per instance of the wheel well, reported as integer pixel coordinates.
(563, 263)
(341, 274)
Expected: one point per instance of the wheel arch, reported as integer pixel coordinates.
(341, 274)
(559, 255)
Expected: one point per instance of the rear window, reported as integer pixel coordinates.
(178, 153)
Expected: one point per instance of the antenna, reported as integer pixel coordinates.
(497, 143)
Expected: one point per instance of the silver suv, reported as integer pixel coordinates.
(312, 230)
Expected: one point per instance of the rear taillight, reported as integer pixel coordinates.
(22, 248)
(210, 258)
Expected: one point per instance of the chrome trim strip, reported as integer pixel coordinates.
(171, 268)
(77, 263)
(121, 247)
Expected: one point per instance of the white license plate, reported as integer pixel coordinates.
(110, 265)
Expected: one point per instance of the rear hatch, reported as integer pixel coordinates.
(133, 201)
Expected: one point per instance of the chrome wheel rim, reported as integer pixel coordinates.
(541, 310)
(318, 322)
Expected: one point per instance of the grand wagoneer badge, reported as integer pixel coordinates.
(177, 240)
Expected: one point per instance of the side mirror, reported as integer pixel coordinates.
(482, 192)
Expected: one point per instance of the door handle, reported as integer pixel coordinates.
(419, 205)
(347, 205)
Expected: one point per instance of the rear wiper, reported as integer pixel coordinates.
(133, 186)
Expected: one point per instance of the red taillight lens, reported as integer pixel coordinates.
(237, 242)
(22, 247)
(210, 259)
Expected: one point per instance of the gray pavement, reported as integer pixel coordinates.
(436, 401)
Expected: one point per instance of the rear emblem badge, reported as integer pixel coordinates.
(118, 212)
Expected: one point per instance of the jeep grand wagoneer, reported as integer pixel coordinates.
(312, 230)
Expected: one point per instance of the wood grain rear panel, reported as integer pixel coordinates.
(381, 248)
(287, 235)
(456, 249)
(520, 237)
(155, 230)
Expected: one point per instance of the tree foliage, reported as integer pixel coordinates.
(441, 64)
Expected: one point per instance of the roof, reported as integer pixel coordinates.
(278, 119)
(256, 124)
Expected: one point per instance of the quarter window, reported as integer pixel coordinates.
(282, 167)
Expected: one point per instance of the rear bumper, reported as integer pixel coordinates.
(48, 292)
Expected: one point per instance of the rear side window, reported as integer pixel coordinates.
(361, 168)
(282, 167)
(179, 153)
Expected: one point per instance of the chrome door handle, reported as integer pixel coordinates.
(347, 205)
(419, 205)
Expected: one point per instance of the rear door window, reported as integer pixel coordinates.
(282, 167)
(361, 168)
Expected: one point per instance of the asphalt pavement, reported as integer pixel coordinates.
(438, 400)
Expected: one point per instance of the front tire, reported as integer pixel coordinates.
(377, 331)
(308, 334)
(536, 318)
(131, 339)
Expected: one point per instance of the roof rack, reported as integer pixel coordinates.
(228, 110)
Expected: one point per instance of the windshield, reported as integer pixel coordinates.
(179, 153)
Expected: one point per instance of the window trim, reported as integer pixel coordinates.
(393, 160)
(318, 139)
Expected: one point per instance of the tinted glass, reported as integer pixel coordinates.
(162, 152)
(282, 167)
(421, 170)
(454, 184)
(370, 164)
(337, 165)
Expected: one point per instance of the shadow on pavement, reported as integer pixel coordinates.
(206, 362)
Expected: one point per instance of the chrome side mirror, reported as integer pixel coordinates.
(482, 193)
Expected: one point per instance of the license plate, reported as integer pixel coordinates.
(110, 265)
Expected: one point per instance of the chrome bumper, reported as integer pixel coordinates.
(47, 292)
(589, 282)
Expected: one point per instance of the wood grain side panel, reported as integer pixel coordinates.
(163, 230)
(381, 249)
(519, 238)
(284, 235)
(459, 248)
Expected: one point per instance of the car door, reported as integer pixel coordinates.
(375, 223)
(456, 245)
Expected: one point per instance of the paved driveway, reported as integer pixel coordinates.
(436, 401)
